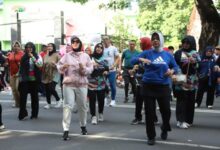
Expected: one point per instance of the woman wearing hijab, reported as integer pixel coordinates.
(14, 59)
(159, 65)
(50, 75)
(207, 78)
(75, 66)
(97, 83)
(187, 58)
(29, 80)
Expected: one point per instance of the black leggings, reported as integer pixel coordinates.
(50, 90)
(92, 101)
(25, 88)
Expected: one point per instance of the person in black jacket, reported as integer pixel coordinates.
(1, 124)
(207, 78)
(29, 80)
(2, 69)
(187, 58)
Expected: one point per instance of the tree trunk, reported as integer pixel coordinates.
(210, 20)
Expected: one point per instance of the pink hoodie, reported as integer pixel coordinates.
(72, 76)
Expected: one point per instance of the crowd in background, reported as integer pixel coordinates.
(87, 76)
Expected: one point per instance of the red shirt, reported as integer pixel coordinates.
(14, 61)
(43, 54)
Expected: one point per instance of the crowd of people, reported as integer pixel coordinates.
(87, 76)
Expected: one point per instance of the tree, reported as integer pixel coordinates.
(121, 27)
(168, 16)
(210, 20)
(79, 1)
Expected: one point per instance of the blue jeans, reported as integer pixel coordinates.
(112, 81)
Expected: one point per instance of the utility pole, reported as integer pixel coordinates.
(62, 27)
(18, 27)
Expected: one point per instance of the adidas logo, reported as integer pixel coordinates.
(159, 60)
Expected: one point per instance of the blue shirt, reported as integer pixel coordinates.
(155, 71)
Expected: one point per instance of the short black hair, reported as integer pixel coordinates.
(132, 41)
(170, 47)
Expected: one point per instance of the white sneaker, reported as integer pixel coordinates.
(58, 104)
(94, 120)
(196, 105)
(210, 106)
(2, 127)
(101, 117)
(112, 103)
(106, 101)
(183, 125)
(178, 124)
(47, 106)
(188, 125)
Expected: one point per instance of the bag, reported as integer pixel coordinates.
(180, 78)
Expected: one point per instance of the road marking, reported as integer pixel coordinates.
(132, 106)
(111, 138)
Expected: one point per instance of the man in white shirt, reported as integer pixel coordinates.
(111, 54)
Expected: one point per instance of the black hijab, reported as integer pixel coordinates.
(75, 38)
(95, 54)
(25, 65)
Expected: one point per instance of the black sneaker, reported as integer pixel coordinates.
(136, 121)
(84, 131)
(151, 141)
(66, 135)
(163, 135)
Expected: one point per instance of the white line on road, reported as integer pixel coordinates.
(132, 106)
(112, 138)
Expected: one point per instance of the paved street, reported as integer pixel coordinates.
(115, 133)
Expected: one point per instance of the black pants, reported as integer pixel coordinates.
(50, 89)
(203, 87)
(42, 89)
(1, 115)
(185, 106)
(138, 103)
(25, 88)
(150, 94)
(100, 96)
(164, 104)
(128, 79)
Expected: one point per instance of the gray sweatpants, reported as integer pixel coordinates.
(72, 95)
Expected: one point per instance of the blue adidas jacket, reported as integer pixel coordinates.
(160, 63)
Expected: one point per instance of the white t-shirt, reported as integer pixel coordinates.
(109, 54)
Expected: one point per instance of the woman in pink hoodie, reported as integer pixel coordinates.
(75, 66)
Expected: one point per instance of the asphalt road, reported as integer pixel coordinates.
(115, 133)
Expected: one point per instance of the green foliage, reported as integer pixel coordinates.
(115, 4)
(168, 16)
(121, 30)
(218, 5)
(79, 1)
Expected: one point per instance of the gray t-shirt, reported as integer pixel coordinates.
(109, 54)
